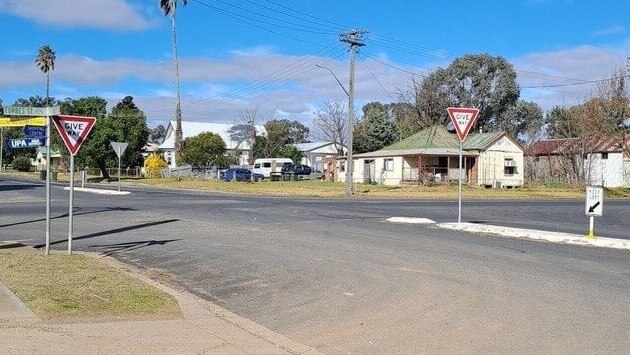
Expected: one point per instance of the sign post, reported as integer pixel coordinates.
(73, 130)
(119, 148)
(463, 119)
(594, 207)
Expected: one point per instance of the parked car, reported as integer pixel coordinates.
(240, 174)
(296, 169)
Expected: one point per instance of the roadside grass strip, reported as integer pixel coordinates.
(554, 237)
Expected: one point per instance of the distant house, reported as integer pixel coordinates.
(191, 129)
(601, 161)
(489, 159)
(40, 160)
(317, 154)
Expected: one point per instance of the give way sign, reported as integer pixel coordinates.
(463, 119)
(73, 130)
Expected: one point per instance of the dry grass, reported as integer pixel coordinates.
(327, 189)
(79, 286)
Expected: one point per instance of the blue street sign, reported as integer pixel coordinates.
(35, 131)
(26, 143)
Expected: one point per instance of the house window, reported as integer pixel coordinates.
(388, 164)
(604, 155)
(342, 166)
(509, 167)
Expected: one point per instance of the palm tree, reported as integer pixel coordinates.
(169, 8)
(45, 60)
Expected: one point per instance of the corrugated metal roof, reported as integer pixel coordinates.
(619, 143)
(432, 137)
(481, 141)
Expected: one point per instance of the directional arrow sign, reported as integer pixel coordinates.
(73, 130)
(25, 143)
(463, 119)
(35, 131)
(594, 201)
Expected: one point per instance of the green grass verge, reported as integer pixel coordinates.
(79, 286)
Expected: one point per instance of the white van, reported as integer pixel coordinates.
(270, 166)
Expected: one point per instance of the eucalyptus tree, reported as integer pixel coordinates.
(169, 7)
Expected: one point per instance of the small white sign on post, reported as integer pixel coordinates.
(119, 148)
(594, 207)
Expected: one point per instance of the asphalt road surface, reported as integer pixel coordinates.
(335, 275)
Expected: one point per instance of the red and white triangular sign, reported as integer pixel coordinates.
(463, 119)
(73, 130)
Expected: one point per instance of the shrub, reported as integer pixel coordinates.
(153, 166)
(21, 164)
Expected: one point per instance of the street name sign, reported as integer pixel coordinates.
(463, 119)
(31, 111)
(25, 143)
(594, 201)
(21, 122)
(73, 130)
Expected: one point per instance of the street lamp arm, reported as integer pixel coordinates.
(335, 76)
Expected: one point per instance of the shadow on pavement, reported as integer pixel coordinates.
(112, 231)
(108, 209)
(111, 249)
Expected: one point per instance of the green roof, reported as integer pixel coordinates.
(439, 137)
(432, 137)
(480, 141)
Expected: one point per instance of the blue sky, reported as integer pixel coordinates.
(238, 55)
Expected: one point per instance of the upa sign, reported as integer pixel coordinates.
(73, 130)
(463, 119)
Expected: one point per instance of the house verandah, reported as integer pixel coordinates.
(489, 159)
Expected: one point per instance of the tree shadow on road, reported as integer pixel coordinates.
(113, 231)
(111, 249)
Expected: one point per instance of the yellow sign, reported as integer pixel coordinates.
(20, 122)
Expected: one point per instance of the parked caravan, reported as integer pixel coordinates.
(270, 166)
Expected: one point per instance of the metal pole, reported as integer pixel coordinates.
(459, 210)
(71, 208)
(591, 229)
(1, 148)
(47, 248)
(119, 168)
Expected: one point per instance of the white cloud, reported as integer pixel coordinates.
(117, 15)
(609, 31)
(560, 77)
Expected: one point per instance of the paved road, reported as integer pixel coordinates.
(334, 275)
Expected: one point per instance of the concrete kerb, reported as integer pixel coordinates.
(224, 324)
(98, 191)
(554, 237)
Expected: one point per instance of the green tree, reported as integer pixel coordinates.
(522, 121)
(204, 149)
(291, 152)
(375, 130)
(126, 123)
(474, 80)
(169, 7)
(37, 101)
(45, 60)
(157, 134)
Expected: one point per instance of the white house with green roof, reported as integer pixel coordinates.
(490, 159)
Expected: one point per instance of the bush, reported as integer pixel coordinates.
(21, 164)
(153, 166)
